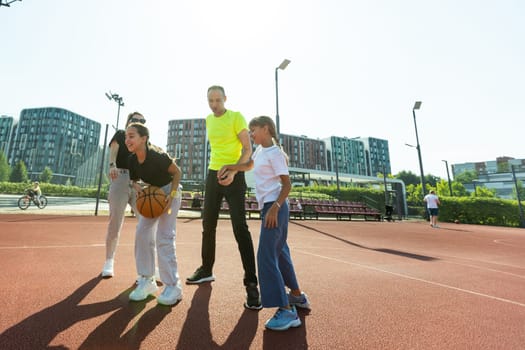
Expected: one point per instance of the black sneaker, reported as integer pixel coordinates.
(253, 300)
(200, 276)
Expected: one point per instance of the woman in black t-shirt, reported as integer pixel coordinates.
(153, 166)
(120, 192)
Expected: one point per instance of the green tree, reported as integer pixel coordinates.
(432, 180)
(459, 190)
(503, 167)
(521, 190)
(414, 195)
(466, 176)
(482, 191)
(19, 173)
(442, 189)
(4, 167)
(408, 177)
(46, 175)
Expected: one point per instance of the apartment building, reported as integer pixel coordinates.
(56, 138)
(6, 129)
(501, 175)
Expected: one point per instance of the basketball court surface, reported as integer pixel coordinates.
(372, 285)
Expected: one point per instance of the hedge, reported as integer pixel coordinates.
(53, 190)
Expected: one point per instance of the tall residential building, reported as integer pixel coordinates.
(304, 152)
(55, 138)
(187, 143)
(346, 155)
(6, 132)
(309, 159)
(377, 156)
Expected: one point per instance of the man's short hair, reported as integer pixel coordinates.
(217, 87)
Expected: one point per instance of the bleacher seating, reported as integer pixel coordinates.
(300, 208)
(319, 208)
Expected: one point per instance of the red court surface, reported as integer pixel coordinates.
(372, 285)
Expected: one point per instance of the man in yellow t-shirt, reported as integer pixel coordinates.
(230, 143)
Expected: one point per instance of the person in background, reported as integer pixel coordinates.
(274, 262)
(152, 166)
(120, 191)
(433, 204)
(230, 143)
(37, 192)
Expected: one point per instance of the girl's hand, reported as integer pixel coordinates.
(270, 220)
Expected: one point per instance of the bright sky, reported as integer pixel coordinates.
(357, 67)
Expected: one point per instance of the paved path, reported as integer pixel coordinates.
(55, 205)
(372, 285)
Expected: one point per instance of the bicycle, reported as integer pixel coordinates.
(25, 201)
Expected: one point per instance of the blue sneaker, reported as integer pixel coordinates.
(283, 319)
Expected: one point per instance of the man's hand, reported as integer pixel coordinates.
(225, 177)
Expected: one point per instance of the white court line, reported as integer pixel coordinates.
(416, 279)
(481, 261)
(502, 242)
(94, 245)
(58, 246)
(484, 268)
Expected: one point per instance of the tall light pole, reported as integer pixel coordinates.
(120, 102)
(337, 176)
(518, 197)
(282, 66)
(448, 177)
(417, 105)
(7, 3)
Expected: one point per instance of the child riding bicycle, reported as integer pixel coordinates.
(35, 192)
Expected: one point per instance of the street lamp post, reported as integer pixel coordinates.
(337, 176)
(448, 177)
(7, 3)
(120, 102)
(417, 105)
(518, 197)
(282, 66)
(474, 182)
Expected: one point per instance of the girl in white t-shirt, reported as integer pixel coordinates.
(272, 186)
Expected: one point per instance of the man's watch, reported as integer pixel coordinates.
(112, 165)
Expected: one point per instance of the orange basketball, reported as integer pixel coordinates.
(151, 202)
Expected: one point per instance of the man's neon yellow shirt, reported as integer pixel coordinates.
(226, 148)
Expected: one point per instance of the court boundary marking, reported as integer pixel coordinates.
(397, 274)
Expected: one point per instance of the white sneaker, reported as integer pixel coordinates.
(170, 295)
(146, 286)
(107, 270)
(300, 301)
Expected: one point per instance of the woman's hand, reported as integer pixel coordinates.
(168, 201)
(113, 173)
